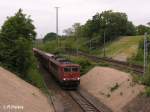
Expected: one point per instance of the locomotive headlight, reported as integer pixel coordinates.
(64, 79)
(78, 78)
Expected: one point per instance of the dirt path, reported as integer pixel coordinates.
(17, 95)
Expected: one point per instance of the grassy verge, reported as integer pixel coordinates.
(139, 59)
(145, 80)
(35, 78)
(124, 45)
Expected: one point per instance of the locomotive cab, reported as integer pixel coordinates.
(71, 75)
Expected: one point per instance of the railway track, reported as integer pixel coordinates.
(125, 65)
(61, 100)
(86, 105)
(70, 101)
(119, 64)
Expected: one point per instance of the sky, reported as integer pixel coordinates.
(43, 12)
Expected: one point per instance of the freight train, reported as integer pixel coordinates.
(63, 70)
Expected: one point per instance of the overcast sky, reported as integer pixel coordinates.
(72, 11)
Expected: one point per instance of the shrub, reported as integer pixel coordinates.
(114, 87)
(147, 91)
(83, 62)
(146, 78)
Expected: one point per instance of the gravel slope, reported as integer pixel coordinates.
(17, 95)
(101, 82)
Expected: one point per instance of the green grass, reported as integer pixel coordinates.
(35, 77)
(147, 91)
(127, 45)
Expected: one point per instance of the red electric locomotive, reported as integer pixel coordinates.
(66, 72)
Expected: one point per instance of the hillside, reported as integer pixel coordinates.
(120, 49)
(123, 48)
(16, 95)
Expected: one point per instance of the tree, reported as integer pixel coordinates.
(131, 29)
(114, 24)
(50, 36)
(148, 23)
(75, 30)
(68, 32)
(141, 29)
(16, 37)
(88, 29)
(18, 26)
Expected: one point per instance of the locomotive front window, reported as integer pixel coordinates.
(67, 69)
(75, 69)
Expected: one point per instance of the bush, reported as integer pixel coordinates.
(83, 62)
(146, 78)
(147, 91)
(116, 86)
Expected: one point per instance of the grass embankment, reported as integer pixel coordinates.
(127, 45)
(138, 59)
(121, 49)
(35, 77)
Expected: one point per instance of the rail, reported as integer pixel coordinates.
(84, 103)
(125, 65)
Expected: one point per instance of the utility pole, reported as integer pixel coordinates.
(145, 53)
(57, 25)
(104, 46)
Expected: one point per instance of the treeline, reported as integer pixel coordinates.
(112, 24)
(108, 23)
